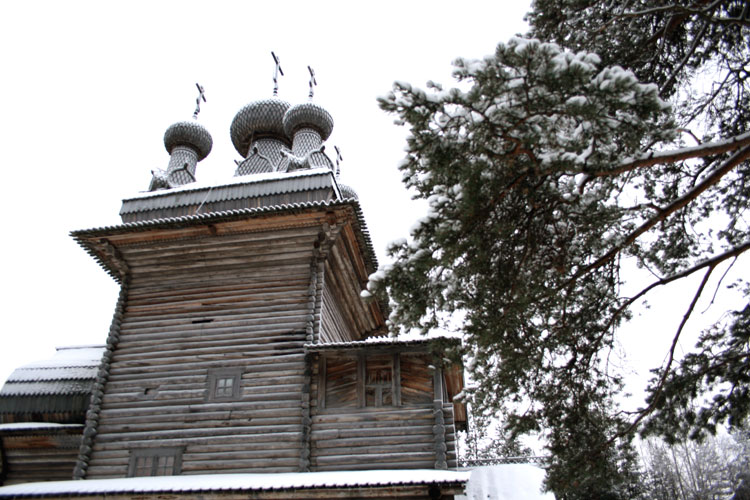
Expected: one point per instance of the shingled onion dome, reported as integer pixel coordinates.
(309, 125)
(257, 132)
(187, 143)
(347, 192)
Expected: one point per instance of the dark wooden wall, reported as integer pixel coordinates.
(349, 430)
(39, 457)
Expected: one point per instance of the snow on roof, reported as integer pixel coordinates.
(65, 357)
(243, 179)
(379, 341)
(505, 482)
(37, 426)
(237, 482)
(68, 363)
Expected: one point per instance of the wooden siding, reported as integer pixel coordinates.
(349, 433)
(373, 438)
(345, 315)
(233, 301)
(39, 457)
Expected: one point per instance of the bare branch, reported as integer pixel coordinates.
(712, 262)
(718, 285)
(684, 61)
(670, 358)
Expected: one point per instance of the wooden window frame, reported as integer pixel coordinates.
(155, 454)
(215, 375)
(361, 371)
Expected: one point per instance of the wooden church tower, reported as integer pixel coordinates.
(241, 344)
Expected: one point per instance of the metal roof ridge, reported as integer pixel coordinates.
(243, 179)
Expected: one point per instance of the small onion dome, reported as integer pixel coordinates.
(347, 192)
(308, 115)
(189, 134)
(261, 118)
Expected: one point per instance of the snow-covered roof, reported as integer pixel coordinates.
(506, 482)
(37, 427)
(72, 356)
(60, 384)
(378, 342)
(239, 482)
(68, 364)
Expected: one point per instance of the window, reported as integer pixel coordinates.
(224, 385)
(376, 379)
(155, 462)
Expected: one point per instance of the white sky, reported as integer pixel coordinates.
(88, 89)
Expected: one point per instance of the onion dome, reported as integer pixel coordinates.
(189, 134)
(347, 192)
(308, 115)
(257, 119)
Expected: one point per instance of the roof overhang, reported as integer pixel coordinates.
(101, 243)
(344, 484)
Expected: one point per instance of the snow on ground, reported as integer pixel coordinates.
(506, 482)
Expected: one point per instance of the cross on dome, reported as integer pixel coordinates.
(277, 70)
(201, 95)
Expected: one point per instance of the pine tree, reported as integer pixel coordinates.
(544, 171)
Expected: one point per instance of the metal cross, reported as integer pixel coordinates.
(201, 95)
(313, 81)
(276, 73)
(339, 159)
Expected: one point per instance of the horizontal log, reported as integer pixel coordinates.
(184, 351)
(205, 439)
(374, 459)
(249, 372)
(169, 436)
(156, 427)
(364, 432)
(385, 439)
(391, 449)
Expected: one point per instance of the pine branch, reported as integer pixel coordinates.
(676, 205)
(712, 262)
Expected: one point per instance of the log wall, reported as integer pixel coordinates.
(345, 316)
(39, 457)
(397, 429)
(230, 302)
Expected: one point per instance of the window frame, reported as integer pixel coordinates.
(155, 454)
(360, 358)
(217, 374)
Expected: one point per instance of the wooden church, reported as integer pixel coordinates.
(242, 360)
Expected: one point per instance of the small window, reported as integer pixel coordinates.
(223, 385)
(155, 462)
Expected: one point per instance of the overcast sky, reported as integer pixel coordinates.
(88, 89)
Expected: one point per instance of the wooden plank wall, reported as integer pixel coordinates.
(345, 315)
(39, 457)
(221, 302)
(373, 438)
(334, 326)
(349, 435)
